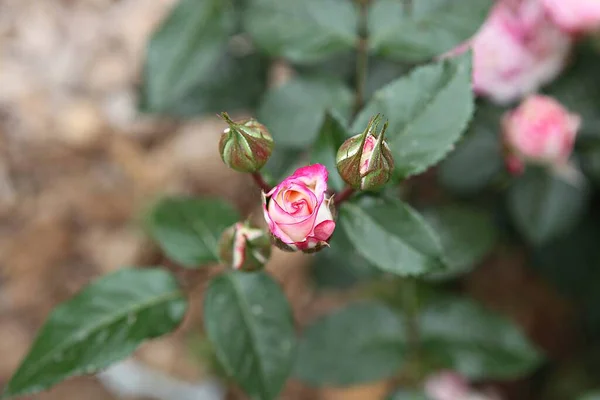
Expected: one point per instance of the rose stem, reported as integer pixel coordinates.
(344, 195)
(260, 182)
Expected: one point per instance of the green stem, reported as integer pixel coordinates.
(362, 56)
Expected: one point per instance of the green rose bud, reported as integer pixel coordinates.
(244, 247)
(245, 146)
(365, 161)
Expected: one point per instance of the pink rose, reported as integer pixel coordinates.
(299, 212)
(517, 50)
(574, 16)
(541, 131)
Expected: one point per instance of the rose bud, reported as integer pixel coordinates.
(298, 211)
(365, 161)
(539, 131)
(244, 247)
(574, 16)
(245, 146)
(517, 50)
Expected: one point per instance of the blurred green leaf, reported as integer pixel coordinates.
(341, 265)
(188, 229)
(544, 206)
(249, 321)
(570, 262)
(360, 343)
(423, 29)
(408, 395)
(101, 325)
(590, 396)
(477, 159)
(467, 235)
(302, 31)
(589, 158)
(184, 50)
(295, 112)
(393, 236)
(331, 136)
(428, 110)
(234, 82)
(382, 72)
(476, 342)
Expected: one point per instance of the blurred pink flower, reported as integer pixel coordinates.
(540, 131)
(449, 385)
(574, 15)
(517, 50)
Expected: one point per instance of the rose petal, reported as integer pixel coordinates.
(274, 228)
(324, 230)
(314, 176)
(298, 231)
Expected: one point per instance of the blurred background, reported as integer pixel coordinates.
(79, 165)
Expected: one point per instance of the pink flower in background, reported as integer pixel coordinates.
(517, 50)
(299, 212)
(449, 385)
(540, 131)
(574, 15)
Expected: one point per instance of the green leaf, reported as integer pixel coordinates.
(341, 266)
(249, 322)
(234, 82)
(302, 31)
(188, 230)
(408, 395)
(425, 29)
(103, 324)
(184, 50)
(393, 237)
(331, 136)
(591, 396)
(475, 342)
(544, 206)
(361, 343)
(428, 111)
(467, 235)
(295, 112)
(477, 160)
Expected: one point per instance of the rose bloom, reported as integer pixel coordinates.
(299, 212)
(517, 50)
(574, 16)
(541, 131)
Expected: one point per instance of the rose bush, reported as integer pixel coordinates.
(539, 131)
(299, 212)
